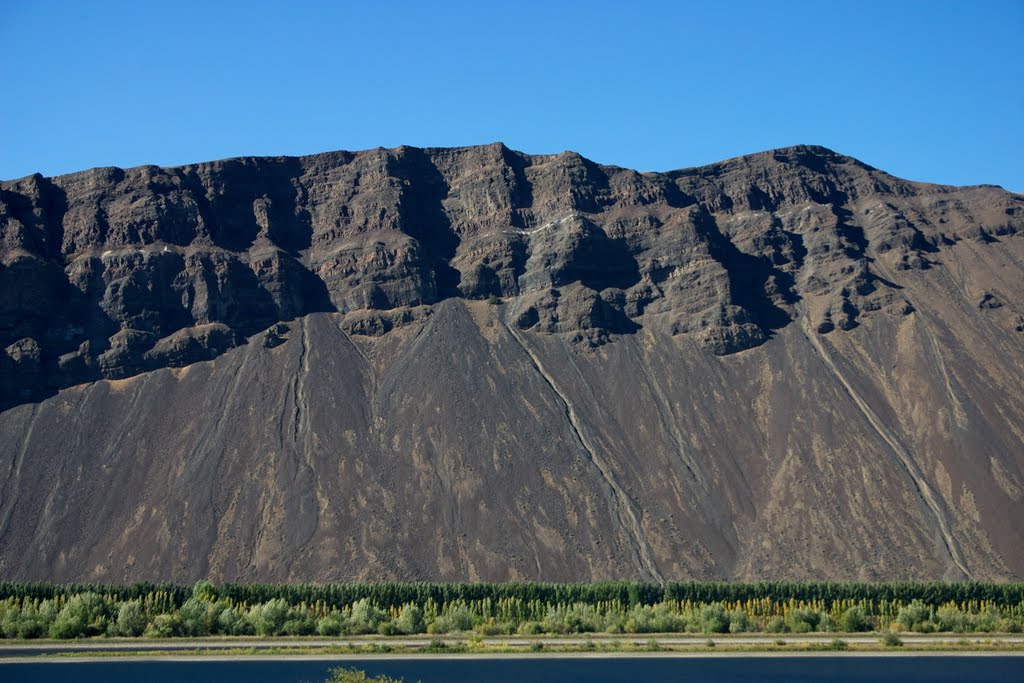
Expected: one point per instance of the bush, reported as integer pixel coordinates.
(802, 620)
(164, 626)
(739, 622)
(388, 628)
(1009, 626)
(660, 618)
(578, 618)
(437, 646)
(853, 620)
(839, 644)
(530, 628)
(951, 619)
(345, 675)
(456, 618)
(331, 625)
(775, 625)
(714, 619)
(299, 626)
(914, 615)
(890, 639)
(494, 628)
(827, 623)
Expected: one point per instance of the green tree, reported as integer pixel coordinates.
(131, 620)
(268, 618)
(85, 614)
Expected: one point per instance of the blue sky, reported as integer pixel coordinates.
(930, 91)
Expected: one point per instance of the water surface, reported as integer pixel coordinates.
(840, 669)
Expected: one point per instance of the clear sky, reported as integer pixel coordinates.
(926, 90)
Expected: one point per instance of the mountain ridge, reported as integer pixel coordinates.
(692, 352)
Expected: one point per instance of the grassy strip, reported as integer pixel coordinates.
(535, 647)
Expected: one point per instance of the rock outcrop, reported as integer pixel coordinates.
(622, 373)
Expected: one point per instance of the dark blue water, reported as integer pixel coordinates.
(902, 669)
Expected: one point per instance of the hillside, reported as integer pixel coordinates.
(477, 364)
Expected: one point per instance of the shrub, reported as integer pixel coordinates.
(826, 623)
(839, 644)
(331, 625)
(775, 625)
(494, 628)
(1009, 626)
(578, 618)
(346, 675)
(164, 626)
(299, 626)
(739, 622)
(660, 618)
(914, 615)
(802, 620)
(530, 628)
(949, 618)
(890, 639)
(853, 620)
(437, 646)
(456, 618)
(714, 619)
(388, 628)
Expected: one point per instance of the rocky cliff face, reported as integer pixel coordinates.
(476, 363)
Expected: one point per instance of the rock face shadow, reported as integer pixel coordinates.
(422, 215)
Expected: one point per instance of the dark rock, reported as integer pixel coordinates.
(990, 301)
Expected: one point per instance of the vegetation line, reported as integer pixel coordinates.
(622, 506)
(35, 610)
(909, 465)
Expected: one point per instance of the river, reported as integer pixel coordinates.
(788, 669)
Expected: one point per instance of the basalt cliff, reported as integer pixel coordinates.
(478, 364)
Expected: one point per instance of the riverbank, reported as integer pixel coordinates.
(665, 645)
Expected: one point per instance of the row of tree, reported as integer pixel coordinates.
(395, 594)
(209, 610)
